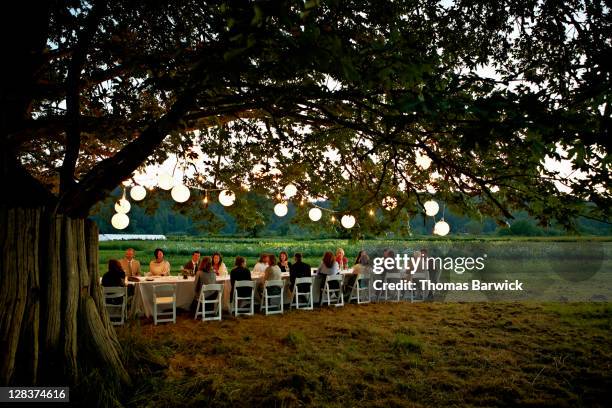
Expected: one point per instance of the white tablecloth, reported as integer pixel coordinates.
(143, 293)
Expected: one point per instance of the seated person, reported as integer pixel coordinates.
(272, 273)
(298, 270)
(129, 264)
(159, 266)
(240, 273)
(341, 259)
(204, 276)
(191, 267)
(361, 268)
(261, 265)
(218, 266)
(283, 262)
(114, 277)
(328, 267)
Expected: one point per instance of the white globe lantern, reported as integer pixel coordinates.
(431, 189)
(165, 181)
(441, 228)
(347, 221)
(431, 208)
(120, 221)
(315, 214)
(180, 193)
(290, 190)
(138, 193)
(227, 198)
(281, 209)
(389, 203)
(122, 206)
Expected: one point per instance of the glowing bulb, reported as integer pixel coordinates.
(347, 221)
(431, 208)
(441, 228)
(315, 214)
(431, 189)
(281, 209)
(227, 198)
(165, 181)
(120, 221)
(138, 193)
(122, 206)
(180, 193)
(423, 161)
(290, 190)
(333, 218)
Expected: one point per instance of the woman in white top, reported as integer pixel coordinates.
(159, 266)
(272, 273)
(218, 266)
(261, 265)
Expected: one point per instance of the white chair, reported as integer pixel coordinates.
(267, 302)
(164, 296)
(328, 292)
(116, 311)
(295, 296)
(417, 276)
(394, 277)
(249, 308)
(208, 290)
(361, 285)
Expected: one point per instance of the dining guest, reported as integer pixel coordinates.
(218, 266)
(115, 276)
(205, 276)
(341, 259)
(329, 266)
(272, 273)
(261, 265)
(129, 264)
(240, 273)
(283, 262)
(191, 267)
(298, 269)
(159, 266)
(361, 268)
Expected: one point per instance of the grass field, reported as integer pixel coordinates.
(385, 355)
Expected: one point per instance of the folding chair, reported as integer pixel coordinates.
(394, 277)
(295, 296)
(360, 285)
(249, 309)
(328, 292)
(116, 310)
(164, 295)
(269, 297)
(208, 290)
(417, 276)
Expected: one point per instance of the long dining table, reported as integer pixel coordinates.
(142, 303)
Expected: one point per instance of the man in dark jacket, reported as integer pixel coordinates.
(299, 269)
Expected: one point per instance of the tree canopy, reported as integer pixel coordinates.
(337, 97)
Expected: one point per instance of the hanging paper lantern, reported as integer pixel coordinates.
(389, 203)
(423, 161)
(138, 193)
(347, 221)
(120, 221)
(315, 214)
(441, 228)
(290, 190)
(180, 193)
(227, 198)
(431, 189)
(431, 208)
(122, 206)
(281, 209)
(165, 181)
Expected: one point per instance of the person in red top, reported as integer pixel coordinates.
(341, 259)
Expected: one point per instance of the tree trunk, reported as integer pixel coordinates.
(52, 316)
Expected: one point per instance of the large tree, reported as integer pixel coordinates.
(339, 96)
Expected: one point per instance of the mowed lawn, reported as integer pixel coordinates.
(385, 354)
